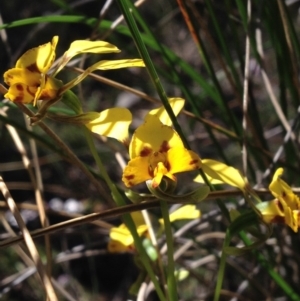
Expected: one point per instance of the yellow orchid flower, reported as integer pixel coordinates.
(285, 208)
(156, 150)
(30, 80)
(121, 239)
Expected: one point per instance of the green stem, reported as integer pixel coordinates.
(171, 281)
(119, 199)
(289, 291)
(222, 266)
(262, 260)
(124, 6)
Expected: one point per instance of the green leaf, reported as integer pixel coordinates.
(71, 100)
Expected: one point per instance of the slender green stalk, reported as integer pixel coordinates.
(172, 74)
(171, 280)
(119, 199)
(275, 276)
(222, 266)
(262, 260)
(150, 67)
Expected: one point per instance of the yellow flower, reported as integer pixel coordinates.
(120, 237)
(285, 208)
(184, 212)
(112, 122)
(176, 104)
(156, 150)
(30, 80)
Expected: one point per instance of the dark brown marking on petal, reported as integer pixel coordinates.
(8, 79)
(279, 205)
(33, 68)
(195, 161)
(19, 87)
(150, 172)
(167, 165)
(129, 177)
(45, 96)
(130, 247)
(164, 147)
(278, 220)
(283, 194)
(19, 98)
(146, 151)
(29, 92)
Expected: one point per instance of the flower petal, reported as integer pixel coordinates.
(291, 218)
(153, 136)
(121, 239)
(176, 104)
(101, 65)
(160, 171)
(39, 59)
(115, 246)
(288, 201)
(49, 89)
(222, 173)
(84, 46)
(117, 64)
(199, 179)
(112, 123)
(21, 93)
(136, 171)
(277, 186)
(180, 159)
(18, 75)
(185, 212)
(121, 234)
(270, 211)
(282, 191)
